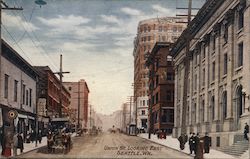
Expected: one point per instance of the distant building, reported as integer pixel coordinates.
(125, 117)
(150, 31)
(49, 89)
(217, 84)
(18, 91)
(161, 88)
(79, 92)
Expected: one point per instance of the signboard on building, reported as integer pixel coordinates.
(41, 106)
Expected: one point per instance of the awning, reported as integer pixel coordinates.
(22, 116)
(31, 117)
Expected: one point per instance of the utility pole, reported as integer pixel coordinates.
(60, 73)
(78, 114)
(187, 65)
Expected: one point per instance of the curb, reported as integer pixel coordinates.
(30, 151)
(166, 146)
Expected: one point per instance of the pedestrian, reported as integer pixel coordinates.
(20, 142)
(39, 136)
(1, 138)
(196, 142)
(32, 136)
(185, 138)
(50, 141)
(182, 142)
(207, 143)
(246, 131)
(191, 143)
(198, 148)
(28, 136)
(15, 144)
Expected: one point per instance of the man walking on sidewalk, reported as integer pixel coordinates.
(246, 131)
(191, 142)
(15, 144)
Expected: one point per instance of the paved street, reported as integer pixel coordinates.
(108, 145)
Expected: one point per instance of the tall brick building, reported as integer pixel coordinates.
(161, 88)
(79, 92)
(149, 32)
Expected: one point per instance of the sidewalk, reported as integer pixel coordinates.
(174, 144)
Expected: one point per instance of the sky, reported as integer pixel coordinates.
(95, 38)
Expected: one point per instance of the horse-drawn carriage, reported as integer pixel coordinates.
(59, 137)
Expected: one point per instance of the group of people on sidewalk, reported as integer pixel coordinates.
(197, 144)
(11, 143)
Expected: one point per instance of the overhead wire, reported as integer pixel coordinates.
(11, 36)
(34, 35)
(34, 43)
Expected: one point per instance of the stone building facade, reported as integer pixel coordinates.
(218, 88)
(150, 31)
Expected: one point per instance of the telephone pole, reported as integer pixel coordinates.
(187, 65)
(60, 73)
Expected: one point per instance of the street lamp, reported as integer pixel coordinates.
(40, 2)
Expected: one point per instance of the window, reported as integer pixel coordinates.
(195, 59)
(169, 76)
(143, 112)
(70, 88)
(143, 102)
(213, 71)
(195, 82)
(160, 28)
(27, 97)
(241, 19)
(202, 114)
(15, 90)
(24, 87)
(214, 42)
(6, 85)
(168, 95)
(225, 36)
(204, 50)
(240, 54)
(163, 38)
(225, 64)
(193, 114)
(212, 107)
(203, 76)
(174, 29)
(157, 80)
(149, 38)
(156, 98)
(30, 101)
(224, 105)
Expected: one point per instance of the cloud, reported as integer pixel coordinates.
(110, 19)
(163, 11)
(131, 11)
(13, 21)
(64, 21)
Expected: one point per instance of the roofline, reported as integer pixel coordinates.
(15, 53)
(206, 12)
(48, 69)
